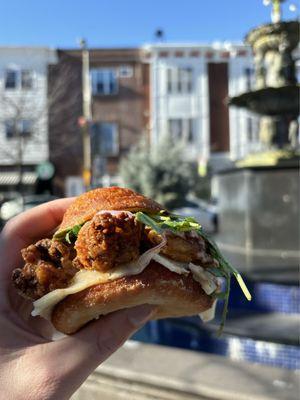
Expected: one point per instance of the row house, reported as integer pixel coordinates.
(119, 80)
(23, 115)
(175, 89)
(158, 89)
(190, 84)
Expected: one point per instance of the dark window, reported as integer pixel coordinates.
(181, 129)
(10, 129)
(180, 80)
(175, 129)
(104, 81)
(189, 83)
(105, 138)
(25, 127)
(11, 79)
(18, 79)
(126, 71)
(169, 80)
(190, 133)
(249, 77)
(26, 79)
(14, 128)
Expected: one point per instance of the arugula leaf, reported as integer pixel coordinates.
(146, 220)
(69, 235)
(215, 252)
(175, 223)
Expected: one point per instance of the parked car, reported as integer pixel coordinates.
(205, 213)
(14, 207)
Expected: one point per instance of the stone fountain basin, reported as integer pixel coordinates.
(270, 101)
(269, 36)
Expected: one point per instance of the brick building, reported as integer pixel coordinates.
(120, 111)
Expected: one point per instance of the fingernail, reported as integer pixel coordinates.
(140, 314)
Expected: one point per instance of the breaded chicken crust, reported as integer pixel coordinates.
(108, 240)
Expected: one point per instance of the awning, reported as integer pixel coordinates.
(12, 178)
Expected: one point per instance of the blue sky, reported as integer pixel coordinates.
(58, 23)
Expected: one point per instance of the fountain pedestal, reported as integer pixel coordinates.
(259, 217)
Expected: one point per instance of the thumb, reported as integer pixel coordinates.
(74, 358)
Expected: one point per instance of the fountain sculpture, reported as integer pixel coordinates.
(276, 93)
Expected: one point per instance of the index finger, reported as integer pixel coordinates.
(28, 227)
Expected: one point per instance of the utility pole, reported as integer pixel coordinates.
(85, 120)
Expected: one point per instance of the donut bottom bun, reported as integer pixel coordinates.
(172, 294)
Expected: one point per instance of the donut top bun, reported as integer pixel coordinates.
(112, 198)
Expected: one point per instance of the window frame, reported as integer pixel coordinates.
(107, 74)
(19, 78)
(97, 127)
(18, 128)
(180, 80)
(129, 71)
(7, 72)
(22, 80)
(187, 130)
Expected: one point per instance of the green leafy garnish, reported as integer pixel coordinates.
(176, 223)
(69, 235)
(215, 252)
(161, 222)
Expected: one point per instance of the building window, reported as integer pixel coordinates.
(26, 79)
(18, 128)
(104, 81)
(10, 79)
(249, 75)
(252, 129)
(18, 79)
(180, 80)
(181, 129)
(106, 138)
(125, 71)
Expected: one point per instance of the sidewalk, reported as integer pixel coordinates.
(141, 371)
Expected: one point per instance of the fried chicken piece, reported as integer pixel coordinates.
(108, 240)
(184, 247)
(48, 266)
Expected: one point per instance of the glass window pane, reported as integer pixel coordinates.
(26, 127)
(100, 87)
(105, 138)
(189, 72)
(185, 76)
(179, 80)
(26, 79)
(175, 129)
(104, 81)
(190, 136)
(11, 79)
(10, 129)
(112, 82)
(169, 80)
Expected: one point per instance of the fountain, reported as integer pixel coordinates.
(276, 94)
(259, 198)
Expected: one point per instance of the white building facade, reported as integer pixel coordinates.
(180, 97)
(23, 110)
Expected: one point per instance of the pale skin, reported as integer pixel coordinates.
(32, 367)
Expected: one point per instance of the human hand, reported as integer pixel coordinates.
(31, 366)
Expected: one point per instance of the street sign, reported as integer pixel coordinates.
(45, 170)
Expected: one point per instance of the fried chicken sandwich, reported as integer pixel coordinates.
(117, 249)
